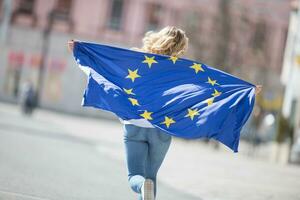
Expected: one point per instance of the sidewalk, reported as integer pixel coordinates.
(190, 166)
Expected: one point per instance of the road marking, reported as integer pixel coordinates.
(22, 195)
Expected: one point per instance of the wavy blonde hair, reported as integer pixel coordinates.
(170, 41)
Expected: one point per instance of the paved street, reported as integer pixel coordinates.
(61, 157)
(39, 161)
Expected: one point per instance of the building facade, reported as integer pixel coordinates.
(34, 44)
(290, 76)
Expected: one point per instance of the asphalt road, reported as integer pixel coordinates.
(66, 157)
(39, 162)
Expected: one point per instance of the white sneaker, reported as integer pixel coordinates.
(148, 190)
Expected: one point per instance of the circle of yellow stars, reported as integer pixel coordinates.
(168, 121)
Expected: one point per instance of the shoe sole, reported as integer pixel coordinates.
(148, 190)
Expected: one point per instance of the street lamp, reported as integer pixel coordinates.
(6, 10)
(45, 50)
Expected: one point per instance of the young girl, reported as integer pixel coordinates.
(145, 145)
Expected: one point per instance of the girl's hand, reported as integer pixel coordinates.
(258, 89)
(71, 45)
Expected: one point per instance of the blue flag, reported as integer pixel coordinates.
(182, 97)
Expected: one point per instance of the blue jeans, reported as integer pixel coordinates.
(145, 151)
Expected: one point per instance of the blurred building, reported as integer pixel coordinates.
(249, 34)
(291, 71)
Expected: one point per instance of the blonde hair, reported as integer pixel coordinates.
(170, 41)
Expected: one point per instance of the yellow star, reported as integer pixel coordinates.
(132, 74)
(197, 67)
(210, 101)
(212, 82)
(128, 91)
(146, 115)
(192, 113)
(149, 60)
(168, 121)
(134, 102)
(174, 59)
(216, 93)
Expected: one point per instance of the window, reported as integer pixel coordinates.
(15, 62)
(116, 14)
(63, 7)
(60, 18)
(259, 37)
(26, 7)
(24, 13)
(154, 12)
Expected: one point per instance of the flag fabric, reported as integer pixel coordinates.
(182, 97)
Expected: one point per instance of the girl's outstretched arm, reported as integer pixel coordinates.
(258, 89)
(71, 45)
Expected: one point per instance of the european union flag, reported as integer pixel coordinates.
(184, 98)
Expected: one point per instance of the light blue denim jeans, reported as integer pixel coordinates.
(145, 151)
